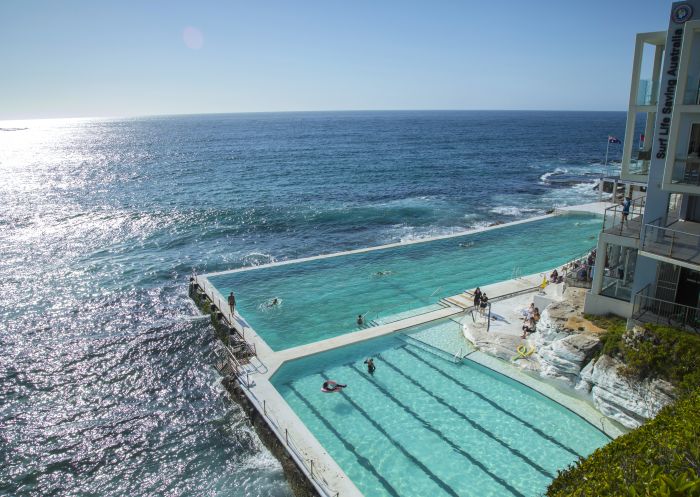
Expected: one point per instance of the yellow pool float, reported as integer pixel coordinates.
(523, 352)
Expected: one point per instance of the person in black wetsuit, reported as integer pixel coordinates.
(332, 386)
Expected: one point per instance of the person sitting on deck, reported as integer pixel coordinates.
(554, 276)
(529, 312)
(528, 327)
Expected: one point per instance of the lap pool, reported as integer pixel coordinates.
(424, 425)
(321, 298)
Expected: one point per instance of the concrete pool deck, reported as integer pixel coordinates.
(311, 457)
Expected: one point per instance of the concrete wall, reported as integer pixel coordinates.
(601, 305)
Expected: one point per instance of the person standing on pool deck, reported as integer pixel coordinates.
(232, 302)
(370, 366)
(484, 303)
(477, 297)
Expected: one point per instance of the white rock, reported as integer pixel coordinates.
(564, 358)
(628, 401)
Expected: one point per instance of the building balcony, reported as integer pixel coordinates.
(686, 170)
(614, 222)
(616, 288)
(679, 240)
(647, 309)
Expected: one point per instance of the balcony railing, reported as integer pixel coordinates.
(616, 223)
(578, 279)
(686, 170)
(647, 92)
(616, 288)
(639, 166)
(647, 309)
(671, 241)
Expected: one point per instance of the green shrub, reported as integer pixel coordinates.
(614, 328)
(659, 352)
(661, 458)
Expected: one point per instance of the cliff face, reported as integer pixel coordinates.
(565, 351)
(628, 401)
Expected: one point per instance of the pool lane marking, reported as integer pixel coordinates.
(441, 435)
(396, 444)
(364, 462)
(471, 422)
(495, 404)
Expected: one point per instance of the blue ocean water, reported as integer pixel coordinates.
(106, 378)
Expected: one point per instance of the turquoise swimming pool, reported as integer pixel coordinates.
(321, 298)
(423, 425)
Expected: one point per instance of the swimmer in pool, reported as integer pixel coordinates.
(332, 386)
(273, 303)
(360, 320)
(379, 274)
(370, 366)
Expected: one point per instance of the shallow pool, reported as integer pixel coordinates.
(424, 425)
(322, 298)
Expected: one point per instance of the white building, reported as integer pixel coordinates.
(648, 268)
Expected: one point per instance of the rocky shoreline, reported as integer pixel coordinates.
(566, 348)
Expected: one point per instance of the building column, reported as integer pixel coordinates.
(599, 272)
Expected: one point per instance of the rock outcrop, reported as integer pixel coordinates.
(566, 344)
(627, 401)
(561, 350)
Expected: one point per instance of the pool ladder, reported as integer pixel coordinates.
(431, 349)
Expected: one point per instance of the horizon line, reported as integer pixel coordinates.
(326, 111)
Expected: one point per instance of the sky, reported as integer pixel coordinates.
(92, 58)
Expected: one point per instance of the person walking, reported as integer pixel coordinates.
(232, 302)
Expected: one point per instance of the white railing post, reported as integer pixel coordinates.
(673, 238)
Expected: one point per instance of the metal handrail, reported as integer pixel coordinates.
(665, 311)
(615, 213)
(291, 444)
(656, 239)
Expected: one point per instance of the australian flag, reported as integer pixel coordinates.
(612, 139)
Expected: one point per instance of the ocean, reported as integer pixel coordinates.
(107, 384)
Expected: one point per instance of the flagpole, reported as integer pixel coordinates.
(607, 148)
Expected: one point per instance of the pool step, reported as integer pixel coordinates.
(420, 344)
(462, 300)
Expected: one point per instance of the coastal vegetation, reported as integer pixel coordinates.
(653, 351)
(662, 457)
